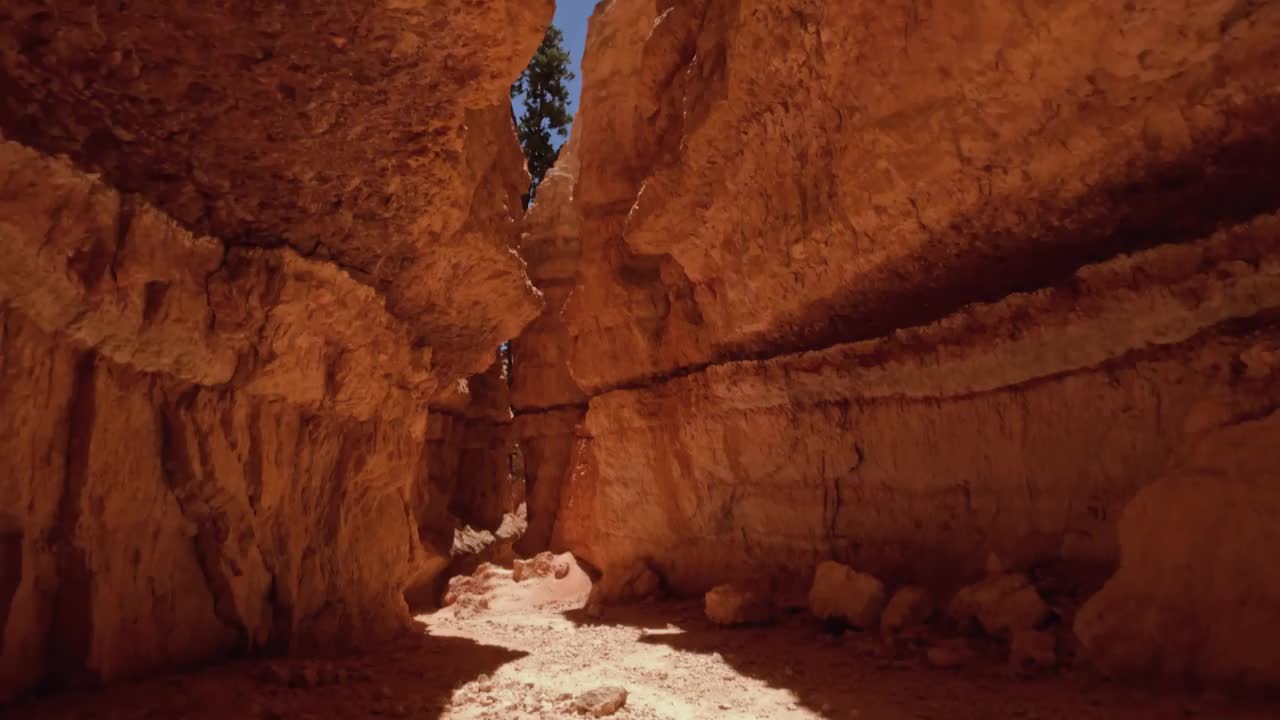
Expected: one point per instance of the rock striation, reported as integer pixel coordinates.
(904, 285)
(244, 249)
(929, 290)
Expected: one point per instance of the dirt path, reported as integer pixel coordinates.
(531, 650)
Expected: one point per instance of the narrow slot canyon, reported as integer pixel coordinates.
(897, 360)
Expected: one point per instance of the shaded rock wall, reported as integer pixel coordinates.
(1191, 599)
(884, 165)
(245, 247)
(1020, 428)
(375, 135)
(920, 282)
(469, 444)
(206, 453)
(548, 403)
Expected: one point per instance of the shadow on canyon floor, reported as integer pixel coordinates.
(522, 650)
(414, 677)
(851, 675)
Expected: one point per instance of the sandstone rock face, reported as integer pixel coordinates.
(1195, 595)
(275, 235)
(160, 515)
(914, 455)
(548, 440)
(541, 379)
(469, 445)
(548, 403)
(375, 135)
(883, 165)
(910, 286)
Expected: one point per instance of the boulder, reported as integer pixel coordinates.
(909, 606)
(738, 605)
(1000, 604)
(841, 593)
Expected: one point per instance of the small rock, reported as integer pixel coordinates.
(738, 605)
(601, 701)
(842, 593)
(909, 606)
(1033, 649)
(1001, 604)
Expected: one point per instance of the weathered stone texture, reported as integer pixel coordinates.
(469, 445)
(881, 165)
(548, 402)
(1020, 428)
(375, 135)
(904, 284)
(245, 245)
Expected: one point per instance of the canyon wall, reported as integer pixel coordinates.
(245, 247)
(548, 403)
(909, 285)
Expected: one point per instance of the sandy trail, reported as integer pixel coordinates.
(532, 650)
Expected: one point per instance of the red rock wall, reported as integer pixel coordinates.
(903, 284)
(469, 443)
(548, 403)
(245, 246)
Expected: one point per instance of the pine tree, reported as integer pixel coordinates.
(542, 89)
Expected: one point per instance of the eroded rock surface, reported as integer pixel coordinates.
(909, 286)
(548, 403)
(244, 249)
(205, 453)
(883, 165)
(374, 135)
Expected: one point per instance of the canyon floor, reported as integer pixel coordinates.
(527, 650)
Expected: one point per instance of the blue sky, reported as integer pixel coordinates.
(571, 18)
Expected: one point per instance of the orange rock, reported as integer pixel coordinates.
(909, 299)
(1193, 596)
(842, 593)
(226, 310)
